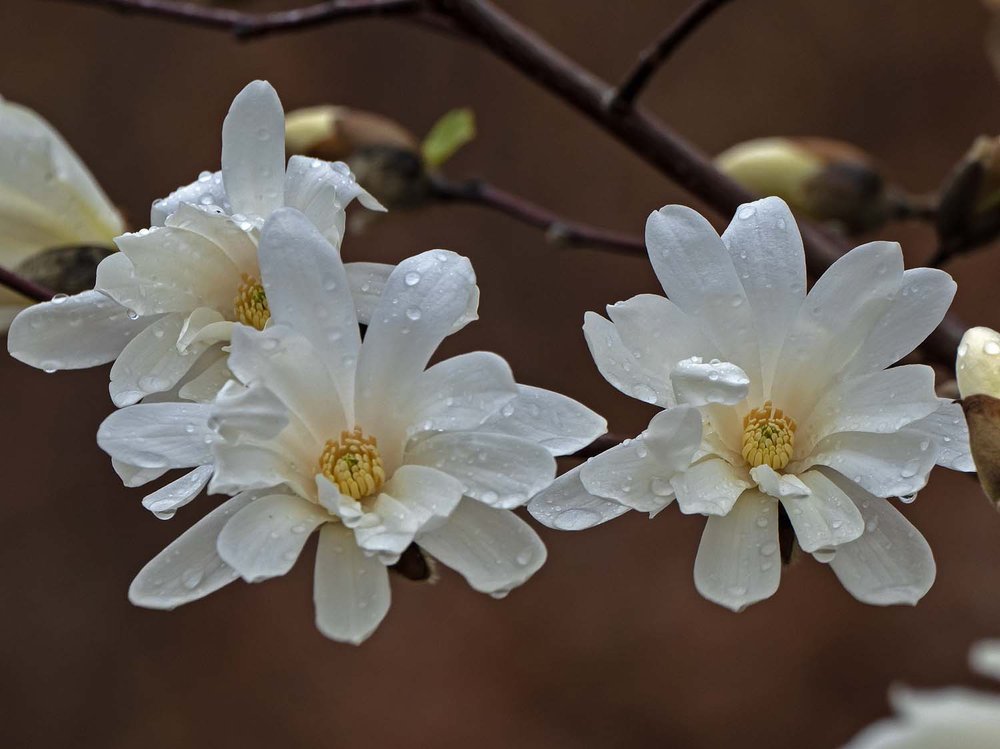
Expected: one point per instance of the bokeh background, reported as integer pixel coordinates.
(609, 645)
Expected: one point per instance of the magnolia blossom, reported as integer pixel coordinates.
(780, 401)
(321, 431)
(171, 297)
(48, 197)
(953, 717)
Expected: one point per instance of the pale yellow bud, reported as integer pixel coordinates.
(977, 368)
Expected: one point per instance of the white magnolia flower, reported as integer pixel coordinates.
(321, 431)
(788, 408)
(48, 197)
(172, 295)
(953, 717)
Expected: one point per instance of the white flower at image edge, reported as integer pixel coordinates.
(775, 397)
(952, 718)
(48, 197)
(169, 299)
(321, 431)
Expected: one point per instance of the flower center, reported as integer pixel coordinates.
(353, 463)
(250, 306)
(768, 437)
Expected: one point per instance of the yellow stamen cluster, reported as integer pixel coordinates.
(250, 306)
(768, 437)
(353, 463)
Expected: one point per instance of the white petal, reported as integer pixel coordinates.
(824, 519)
(189, 568)
(737, 562)
(698, 383)
(47, 196)
(883, 401)
(658, 333)
(307, 290)
(460, 393)
(266, 537)
(132, 476)
(158, 435)
(206, 385)
(778, 485)
(423, 298)
(620, 367)
(557, 422)
(764, 244)
(696, 270)
(253, 151)
(205, 191)
(918, 308)
(496, 469)
(638, 473)
(116, 277)
(322, 190)
(241, 467)
(164, 502)
(887, 465)
(251, 414)
(839, 313)
(567, 506)
(151, 363)
(80, 331)
(234, 239)
(710, 487)
(350, 590)
(948, 429)
(415, 499)
(494, 550)
(890, 563)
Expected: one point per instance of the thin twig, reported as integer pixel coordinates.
(24, 286)
(245, 24)
(557, 229)
(654, 56)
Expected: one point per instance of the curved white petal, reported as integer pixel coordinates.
(494, 550)
(252, 414)
(567, 506)
(887, 465)
(235, 240)
(48, 197)
(498, 470)
(133, 476)
(203, 387)
(883, 401)
(350, 590)
(620, 367)
(307, 290)
(206, 191)
(839, 313)
(459, 393)
(710, 487)
(555, 421)
(423, 298)
(696, 270)
(239, 467)
(914, 313)
(253, 151)
(890, 563)
(825, 518)
(322, 191)
(700, 383)
(778, 485)
(159, 435)
(189, 568)
(265, 538)
(766, 249)
(151, 363)
(164, 502)
(948, 429)
(737, 562)
(80, 331)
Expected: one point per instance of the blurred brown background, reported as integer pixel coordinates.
(609, 645)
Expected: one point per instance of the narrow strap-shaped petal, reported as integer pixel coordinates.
(253, 151)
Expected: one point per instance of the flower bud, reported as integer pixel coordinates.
(969, 204)
(67, 270)
(978, 373)
(825, 180)
(977, 367)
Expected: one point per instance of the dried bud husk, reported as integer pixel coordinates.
(969, 203)
(417, 565)
(977, 371)
(384, 156)
(67, 270)
(822, 179)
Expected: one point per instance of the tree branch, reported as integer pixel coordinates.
(655, 55)
(557, 229)
(24, 286)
